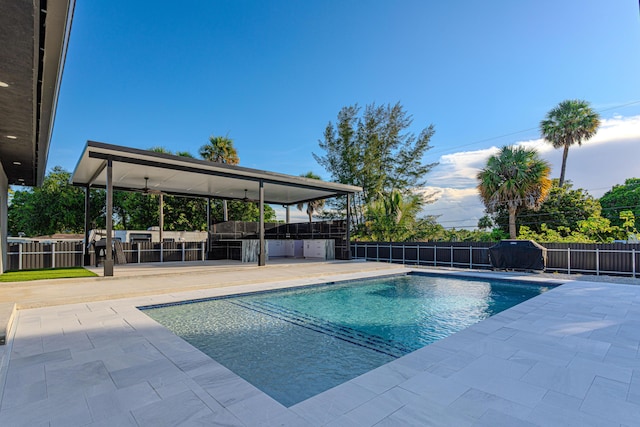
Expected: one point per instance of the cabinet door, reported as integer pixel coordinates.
(314, 249)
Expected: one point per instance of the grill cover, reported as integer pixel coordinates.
(518, 255)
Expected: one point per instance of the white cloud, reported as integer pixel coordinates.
(609, 158)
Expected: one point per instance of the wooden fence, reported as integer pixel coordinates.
(610, 259)
(24, 256)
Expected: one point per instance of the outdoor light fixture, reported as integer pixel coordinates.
(17, 163)
(3, 84)
(12, 137)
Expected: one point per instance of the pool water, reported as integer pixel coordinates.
(294, 344)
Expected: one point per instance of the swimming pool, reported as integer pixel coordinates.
(293, 344)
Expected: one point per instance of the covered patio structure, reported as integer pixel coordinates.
(114, 167)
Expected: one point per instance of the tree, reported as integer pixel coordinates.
(393, 218)
(563, 209)
(485, 223)
(137, 211)
(572, 121)
(628, 221)
(239, 210)
(376, 152)
(514, 178)
(220, 149)
(312, 205)
(620, 198)
(55, 207)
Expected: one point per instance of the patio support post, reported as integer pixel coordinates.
(348, 237)
(288, 220)
(262, 255)
(87, 225)
(208, 229)
(108, 261)
(161, 218)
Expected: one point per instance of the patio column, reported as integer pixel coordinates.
(161, 218)
(87, 225)
(108, 261)
(288, 220)
(208, 225)
(262, 255)
(348, 237)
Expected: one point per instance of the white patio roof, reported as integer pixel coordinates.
(198, 178)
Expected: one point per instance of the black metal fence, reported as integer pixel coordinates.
(24, 256)
(611, 259)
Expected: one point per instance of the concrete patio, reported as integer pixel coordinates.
(567, 357)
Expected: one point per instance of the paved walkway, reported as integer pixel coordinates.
(150, 279)
(568, 357)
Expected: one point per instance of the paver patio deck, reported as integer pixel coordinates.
(567, 357)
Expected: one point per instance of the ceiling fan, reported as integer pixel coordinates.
(247, 199)
(147, 190)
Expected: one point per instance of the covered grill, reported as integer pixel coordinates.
(518, 255)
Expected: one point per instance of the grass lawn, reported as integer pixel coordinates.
(45, 273)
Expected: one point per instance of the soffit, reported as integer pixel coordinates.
(33, 36)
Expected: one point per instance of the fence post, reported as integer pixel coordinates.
(182, 251)
(418, 254)
(161, 254)
(377, 252)
(633, 262)
(19, 256)
(53, 255)
(568, 260)
(203, 254)
(451, 256)
(139, 253)
(470, 257)
(390, 253)
(435, 255)
(597, 261)
(403, 254)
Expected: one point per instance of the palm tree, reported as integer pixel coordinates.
(220, 149)
(515, 177)
(392, 216)
(572, 121)
(313, 205)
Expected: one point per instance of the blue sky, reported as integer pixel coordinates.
(272, 74)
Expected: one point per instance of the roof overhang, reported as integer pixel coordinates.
(184, 176)
(34, 41)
